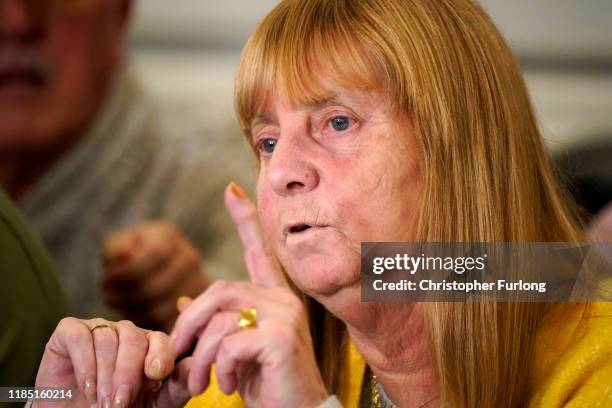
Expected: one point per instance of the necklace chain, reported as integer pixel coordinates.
(376, 398)
(375, 395)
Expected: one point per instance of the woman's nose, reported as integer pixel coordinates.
(291, 170)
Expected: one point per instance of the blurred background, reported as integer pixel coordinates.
(188, 53)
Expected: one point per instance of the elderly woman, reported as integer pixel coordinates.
(381, 120)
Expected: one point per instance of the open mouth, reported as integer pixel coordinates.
(296, 229)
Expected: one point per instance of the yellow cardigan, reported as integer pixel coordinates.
(572, 366)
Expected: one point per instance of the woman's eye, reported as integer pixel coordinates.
(340, 123)
(267, 145)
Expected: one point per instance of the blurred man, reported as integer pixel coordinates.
(116, 187)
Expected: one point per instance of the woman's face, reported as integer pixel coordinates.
(334, 174)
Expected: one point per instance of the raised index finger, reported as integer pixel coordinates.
(260, 262)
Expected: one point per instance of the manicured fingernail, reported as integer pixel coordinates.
(90, 391)
(237, 190)
(156, 368)
(107, 403)
(182, 302)
(123, 396)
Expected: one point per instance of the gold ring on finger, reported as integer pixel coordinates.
(101, 325)
(247, 319)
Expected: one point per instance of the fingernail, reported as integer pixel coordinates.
(123, 396)
(107, 403)
(237, 190)
(156, 368)
(90, 391)
(182, 302)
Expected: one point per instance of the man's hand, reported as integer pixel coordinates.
(146, 268)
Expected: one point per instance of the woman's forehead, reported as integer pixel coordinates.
(332, 95)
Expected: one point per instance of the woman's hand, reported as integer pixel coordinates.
(111, 365)
(272, 365)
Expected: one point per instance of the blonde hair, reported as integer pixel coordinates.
(442, 63)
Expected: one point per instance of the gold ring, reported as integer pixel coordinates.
(247, 319)
(100, 325)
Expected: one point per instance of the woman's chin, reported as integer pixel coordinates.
(336, 284)
(320, 275)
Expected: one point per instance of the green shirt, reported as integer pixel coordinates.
(31, 301)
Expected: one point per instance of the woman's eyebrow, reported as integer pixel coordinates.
(261, 119)
(265, 118)
(323, 103)
(335, 99)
